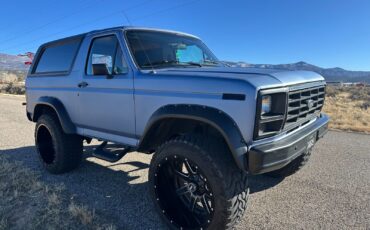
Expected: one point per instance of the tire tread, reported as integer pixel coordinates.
(235, 181)
(68, 147)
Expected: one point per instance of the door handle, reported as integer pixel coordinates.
(83, 84)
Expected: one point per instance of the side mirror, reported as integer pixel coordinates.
(101, 69)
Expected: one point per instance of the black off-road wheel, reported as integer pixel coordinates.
(293, 167)
(196, 184)
(59, 152)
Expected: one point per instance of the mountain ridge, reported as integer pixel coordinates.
(13, 62)
(335, 74)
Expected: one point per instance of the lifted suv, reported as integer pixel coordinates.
(164, 92)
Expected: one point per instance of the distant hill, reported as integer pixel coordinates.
(13, 62)
(330, 74)
(12, 68)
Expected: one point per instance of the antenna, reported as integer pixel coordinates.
(140, 43)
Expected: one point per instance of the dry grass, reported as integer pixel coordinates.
(348, 108)
(82, 213)
(27, 203)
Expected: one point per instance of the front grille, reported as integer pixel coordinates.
(303, 105)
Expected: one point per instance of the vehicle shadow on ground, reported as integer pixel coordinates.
(118, 195)
(258, 183)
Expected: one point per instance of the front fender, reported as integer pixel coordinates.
(212, 116)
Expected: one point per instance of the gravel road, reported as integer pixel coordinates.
(331, 192)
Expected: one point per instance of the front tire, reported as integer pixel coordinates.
(59, 152)
(196, 184)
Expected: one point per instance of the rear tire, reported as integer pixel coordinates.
(59, 152)
(196, 184)
(292, 167)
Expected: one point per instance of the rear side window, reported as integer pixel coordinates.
(57, 58)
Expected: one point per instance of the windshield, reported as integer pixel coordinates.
(152, 49)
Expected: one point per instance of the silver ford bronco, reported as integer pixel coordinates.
(165, 93)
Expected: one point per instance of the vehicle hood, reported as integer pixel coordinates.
(259, 78)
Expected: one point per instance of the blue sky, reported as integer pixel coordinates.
(326, 33)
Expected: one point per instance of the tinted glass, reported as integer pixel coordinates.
(103, 51)
(189, 53)
(120, 66)
(57, 58)
(154, 49)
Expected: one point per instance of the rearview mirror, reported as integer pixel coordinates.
(181, 46)
(101, 69)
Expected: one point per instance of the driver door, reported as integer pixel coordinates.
(106, 92)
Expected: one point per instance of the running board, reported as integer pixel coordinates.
(111, 153)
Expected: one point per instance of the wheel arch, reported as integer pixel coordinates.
(53, 105)
(160, 127)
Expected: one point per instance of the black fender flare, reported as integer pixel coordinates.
(58, 107)
(212, 116)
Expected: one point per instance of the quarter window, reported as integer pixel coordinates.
(57, 58)
(106, 51)
(120, 66)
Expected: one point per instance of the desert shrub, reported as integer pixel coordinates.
(359, 93)
(12, 88)
(355, 93)
(365, 105)
(331, 91)
(8, 87)
(7, 76)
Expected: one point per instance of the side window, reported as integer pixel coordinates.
(57, 58)
(107, 52)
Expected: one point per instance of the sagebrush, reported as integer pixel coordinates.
(348, 108)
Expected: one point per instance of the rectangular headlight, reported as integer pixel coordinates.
(266, 104)
(270, 114)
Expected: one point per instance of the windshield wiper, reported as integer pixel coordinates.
(158, 63)
(171, 63)
(214, 62)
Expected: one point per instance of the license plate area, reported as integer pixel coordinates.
(311, 140)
